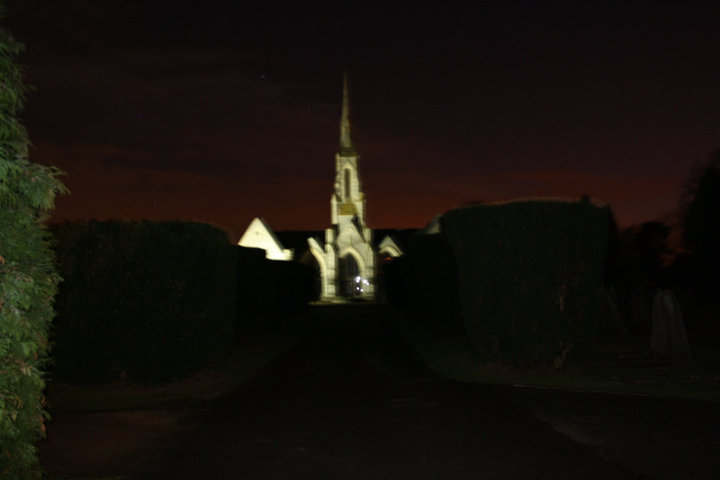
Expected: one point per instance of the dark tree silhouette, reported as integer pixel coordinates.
(636, 267)
(701, 223)
(651, 249)
(697, 271)
(613, 261)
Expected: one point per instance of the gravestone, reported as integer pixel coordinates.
(668, 339)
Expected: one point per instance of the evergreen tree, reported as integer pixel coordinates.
(651, 252)
(701, 224)
(28, 279)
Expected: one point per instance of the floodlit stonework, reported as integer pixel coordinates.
(260, 235)
(348, 255)
(347, 258)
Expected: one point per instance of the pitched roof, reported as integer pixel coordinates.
(297, 239)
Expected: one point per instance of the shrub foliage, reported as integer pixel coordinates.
(156, 301)
(425, 281)
(28, 280)
(269, 291)
(530, 276)
(142, 301)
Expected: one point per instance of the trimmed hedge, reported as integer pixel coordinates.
(142, 301)
(396, 278)
(531, 276)
(255, 292)
(268, 291)
(429, 283)
(294, 285)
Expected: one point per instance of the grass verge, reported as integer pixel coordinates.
(618, 366)
(245, 360)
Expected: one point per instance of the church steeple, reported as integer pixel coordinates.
(347, 260)
(348, 200)
(346, 145)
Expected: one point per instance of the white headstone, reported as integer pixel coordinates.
(668, 339)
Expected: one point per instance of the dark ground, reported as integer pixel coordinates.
(350, 402)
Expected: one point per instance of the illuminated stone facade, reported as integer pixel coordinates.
(347, 259)
(260, 235)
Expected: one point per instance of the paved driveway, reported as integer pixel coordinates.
(350, 403)
(658, 438)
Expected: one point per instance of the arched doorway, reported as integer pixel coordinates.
(349, 279)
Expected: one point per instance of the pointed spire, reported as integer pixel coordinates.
(346, 145)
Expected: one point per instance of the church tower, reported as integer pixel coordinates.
(347, 261)
(347, 204)
(347, 258)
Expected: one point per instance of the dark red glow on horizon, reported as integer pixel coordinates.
(193, 119)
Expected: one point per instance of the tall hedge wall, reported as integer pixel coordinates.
(530, 277)
(269, 291)
(294, 285)
(255, 291)
(429, 282)
(145, 301)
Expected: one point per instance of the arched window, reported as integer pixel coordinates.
(347, 183)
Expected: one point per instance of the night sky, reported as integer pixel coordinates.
(221, 111)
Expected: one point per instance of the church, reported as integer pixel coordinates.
(348, 256)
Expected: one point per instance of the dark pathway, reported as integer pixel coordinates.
(350, 403)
